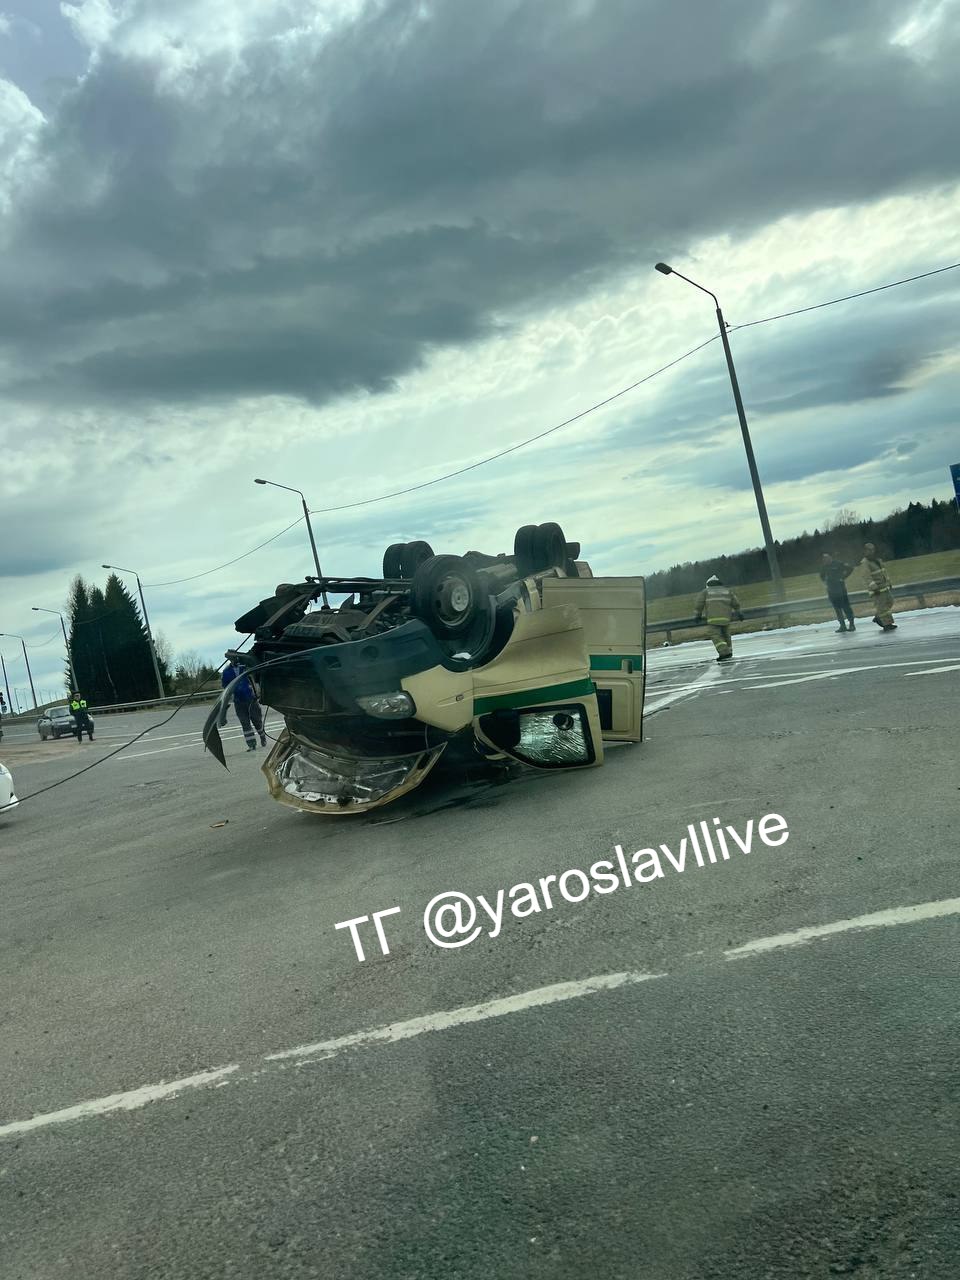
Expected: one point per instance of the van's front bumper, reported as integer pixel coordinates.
(316, 779)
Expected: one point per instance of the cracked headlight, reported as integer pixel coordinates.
(388, 706)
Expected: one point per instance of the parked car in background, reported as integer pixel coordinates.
(8, 797)
(57, 722)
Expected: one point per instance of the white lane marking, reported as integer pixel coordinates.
(538, 997)
(934, 671)
(774, 682)
(710, 676)
(128, 1101)
(876, 920)
(459, 1017)
(226, 735)
(776, 678)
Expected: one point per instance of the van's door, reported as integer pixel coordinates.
(536, 702)
(614, 616)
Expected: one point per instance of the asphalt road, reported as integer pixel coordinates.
(601, 1088)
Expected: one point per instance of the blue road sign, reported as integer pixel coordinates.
(955, 476)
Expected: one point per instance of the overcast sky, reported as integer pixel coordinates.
(352, 246)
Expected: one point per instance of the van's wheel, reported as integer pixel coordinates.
(525, 549)
(446, 595)
(551, 546)
(393, 560)
(413, 555)
(539, 546)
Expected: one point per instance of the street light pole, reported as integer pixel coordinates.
(6, 682)
(26, 660)
(146, 622)
(306, 516)
(771, 549)
(73, 671)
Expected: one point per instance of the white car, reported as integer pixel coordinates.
(8, 797)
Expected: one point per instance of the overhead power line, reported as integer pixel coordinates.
(783, 315)
(522, 444)
(243, 555)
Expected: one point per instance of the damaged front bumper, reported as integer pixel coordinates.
(351, 739)
(315, 780)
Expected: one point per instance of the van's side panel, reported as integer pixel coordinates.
(614, 614)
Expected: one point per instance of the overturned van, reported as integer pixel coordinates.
(525, 657)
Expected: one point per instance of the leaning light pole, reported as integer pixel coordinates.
(771, 549)
(33, 692)
(7, 683)
(306, 516)
(37, 608)
(146, 622)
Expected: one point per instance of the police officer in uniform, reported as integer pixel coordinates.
(81, 718)
(720, 604)
(880, 587)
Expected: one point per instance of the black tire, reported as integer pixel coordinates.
(525, 549)
(413, 555)
(393, 560)
(551, 546)
(447, 595)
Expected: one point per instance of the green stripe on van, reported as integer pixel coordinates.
(531, 697)
(613, 661)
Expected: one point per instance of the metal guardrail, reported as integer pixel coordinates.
(31, 717)
(781, 609)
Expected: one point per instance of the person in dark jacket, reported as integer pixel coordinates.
(833, 575)
(246, 704)
(81, 717)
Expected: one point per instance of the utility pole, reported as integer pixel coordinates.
(66, 643)
(306, 516)
(26, 660)
(768, 541)
(146, 623)
(6, 683)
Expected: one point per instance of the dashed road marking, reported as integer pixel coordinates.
(876, 920)
(321, 1050)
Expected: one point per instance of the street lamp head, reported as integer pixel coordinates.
(35, 608)
(664, 269)
(106, 566)
(259, 482)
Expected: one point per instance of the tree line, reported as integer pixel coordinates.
(111, 650)
(915, 530)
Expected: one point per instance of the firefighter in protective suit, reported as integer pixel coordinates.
(880, 587)
(720, 605)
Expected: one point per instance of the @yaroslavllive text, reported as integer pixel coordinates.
(451, 919)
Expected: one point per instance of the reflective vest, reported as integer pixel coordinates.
(78, 704)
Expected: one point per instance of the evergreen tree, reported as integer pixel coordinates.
(126, 644)
(99, 624)
(87, 611)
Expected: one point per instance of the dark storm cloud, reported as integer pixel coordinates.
(319, 220)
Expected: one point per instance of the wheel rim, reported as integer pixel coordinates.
(452, 600)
